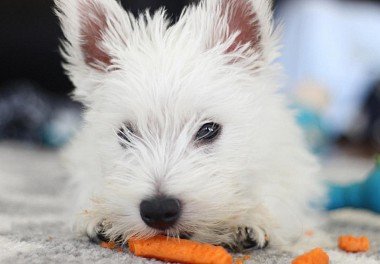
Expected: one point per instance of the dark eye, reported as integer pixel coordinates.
(208, 132)
(124, 134)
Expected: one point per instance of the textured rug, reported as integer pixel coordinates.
(33, 227)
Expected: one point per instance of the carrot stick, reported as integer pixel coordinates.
(179, 250)
(353, 244)
(316, 256)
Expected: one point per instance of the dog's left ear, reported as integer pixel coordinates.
(244, 25)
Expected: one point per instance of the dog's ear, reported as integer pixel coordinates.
(242, 25)
(88, 25)
(95, 32)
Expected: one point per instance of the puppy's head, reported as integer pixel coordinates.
(184, 119)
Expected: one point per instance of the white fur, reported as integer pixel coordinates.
(167, 82)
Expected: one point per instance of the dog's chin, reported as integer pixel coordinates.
(101, 237)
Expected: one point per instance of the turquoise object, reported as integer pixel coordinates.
(316, 134)
(363, 195)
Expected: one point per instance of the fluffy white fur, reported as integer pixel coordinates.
(167, 82)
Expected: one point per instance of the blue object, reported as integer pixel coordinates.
(364, 195)
(316, 134)
(30, 115)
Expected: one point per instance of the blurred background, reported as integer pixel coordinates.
(331, 56)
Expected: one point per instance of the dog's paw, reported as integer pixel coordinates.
(247, 238)
(100, 232)
(96, 232)
(94, 229)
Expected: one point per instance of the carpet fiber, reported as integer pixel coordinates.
(33, 227)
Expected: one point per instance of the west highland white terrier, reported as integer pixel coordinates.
(185, 133)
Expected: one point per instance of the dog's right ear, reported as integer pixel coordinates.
(95, 32)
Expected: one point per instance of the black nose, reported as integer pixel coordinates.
(160, 212)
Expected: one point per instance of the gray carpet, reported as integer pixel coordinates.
(33, 227)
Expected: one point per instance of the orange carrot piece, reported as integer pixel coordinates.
(316, 256)
(309, 233)
(179, 250)
(242, 259)
(354, 244)
(109, 245)
(120, 250)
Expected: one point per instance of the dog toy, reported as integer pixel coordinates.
(365, 195)
(316, 256)
(311, 101)
(353, 244)
(45, 120)
(179, 250)
(315, 132)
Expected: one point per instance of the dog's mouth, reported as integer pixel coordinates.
(180, 234)
(101, 237)
(183, 235)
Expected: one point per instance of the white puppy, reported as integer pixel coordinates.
(184, 131)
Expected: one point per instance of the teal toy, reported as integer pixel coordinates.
(364, 195)
(316, 133)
